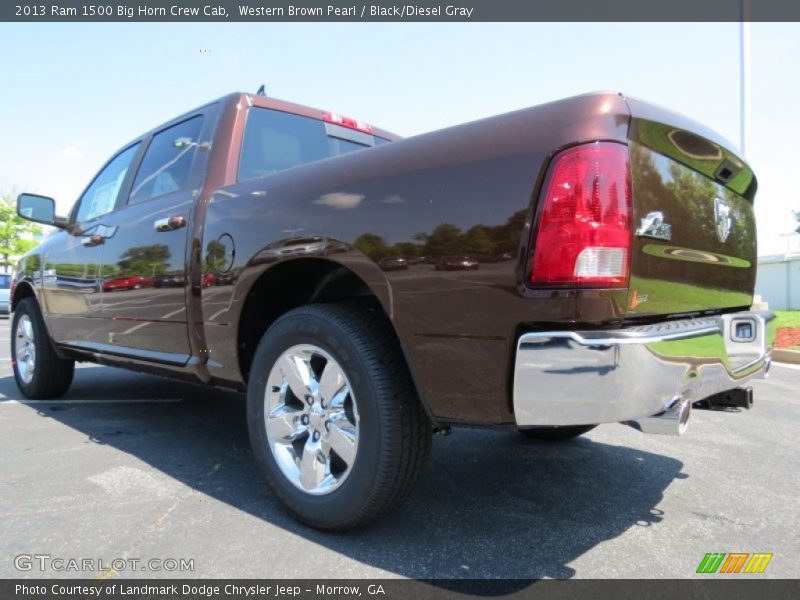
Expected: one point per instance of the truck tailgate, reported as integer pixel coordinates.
(695, 243)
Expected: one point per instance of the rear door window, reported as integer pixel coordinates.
(167, 162)
(5, 281)
(274, 141)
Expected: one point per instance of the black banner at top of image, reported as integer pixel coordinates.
(256, 11)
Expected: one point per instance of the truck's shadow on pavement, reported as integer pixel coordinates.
(491, 504)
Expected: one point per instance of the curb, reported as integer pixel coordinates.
(786, 356)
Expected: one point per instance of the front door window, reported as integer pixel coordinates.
(101, 196)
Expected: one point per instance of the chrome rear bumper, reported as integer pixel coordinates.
(589, 377)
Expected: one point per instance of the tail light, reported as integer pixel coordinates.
(583, 237)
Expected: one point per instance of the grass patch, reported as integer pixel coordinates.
(787, 318)
(672, 297)
(708, 346)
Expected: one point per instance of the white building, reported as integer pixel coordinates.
(778, 280)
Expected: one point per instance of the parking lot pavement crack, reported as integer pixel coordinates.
(195, 488)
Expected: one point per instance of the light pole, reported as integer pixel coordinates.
(744, 77)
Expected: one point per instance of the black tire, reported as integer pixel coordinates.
(556, 434)
(394, 433)
(52, 375)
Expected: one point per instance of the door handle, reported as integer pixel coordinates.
(169, 223)
(92, 240)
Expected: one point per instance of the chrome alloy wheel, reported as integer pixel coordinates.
(311, 419)
(25, 348)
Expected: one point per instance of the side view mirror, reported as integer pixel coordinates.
(39, 209)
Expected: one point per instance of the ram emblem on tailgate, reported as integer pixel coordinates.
(722, 216)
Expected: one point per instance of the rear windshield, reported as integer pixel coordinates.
(5, 281)
(274, 141)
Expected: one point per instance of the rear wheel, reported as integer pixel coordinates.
(334, 419)
(556, 434)
(39, 372)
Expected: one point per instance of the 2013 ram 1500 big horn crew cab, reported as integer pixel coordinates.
(586, 261)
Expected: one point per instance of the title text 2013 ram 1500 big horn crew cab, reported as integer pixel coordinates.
(586, 261)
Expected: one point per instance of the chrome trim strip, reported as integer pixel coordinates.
(586, 338)
(645, 334)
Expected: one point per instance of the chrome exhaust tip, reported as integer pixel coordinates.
(672, 421)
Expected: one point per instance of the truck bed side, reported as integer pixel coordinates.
(463, 323)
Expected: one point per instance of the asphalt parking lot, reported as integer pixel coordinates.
(132, 466)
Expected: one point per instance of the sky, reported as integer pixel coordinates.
(74, 93)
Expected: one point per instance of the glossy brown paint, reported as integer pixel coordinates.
(458, 328)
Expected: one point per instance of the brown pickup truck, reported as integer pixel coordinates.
(582, 262)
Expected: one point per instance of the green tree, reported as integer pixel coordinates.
(477, 241)
(150, 260)
(15, 233)
(506, 237)
(445, 239)
(215, 257)
(407, 249)
(372, 245)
